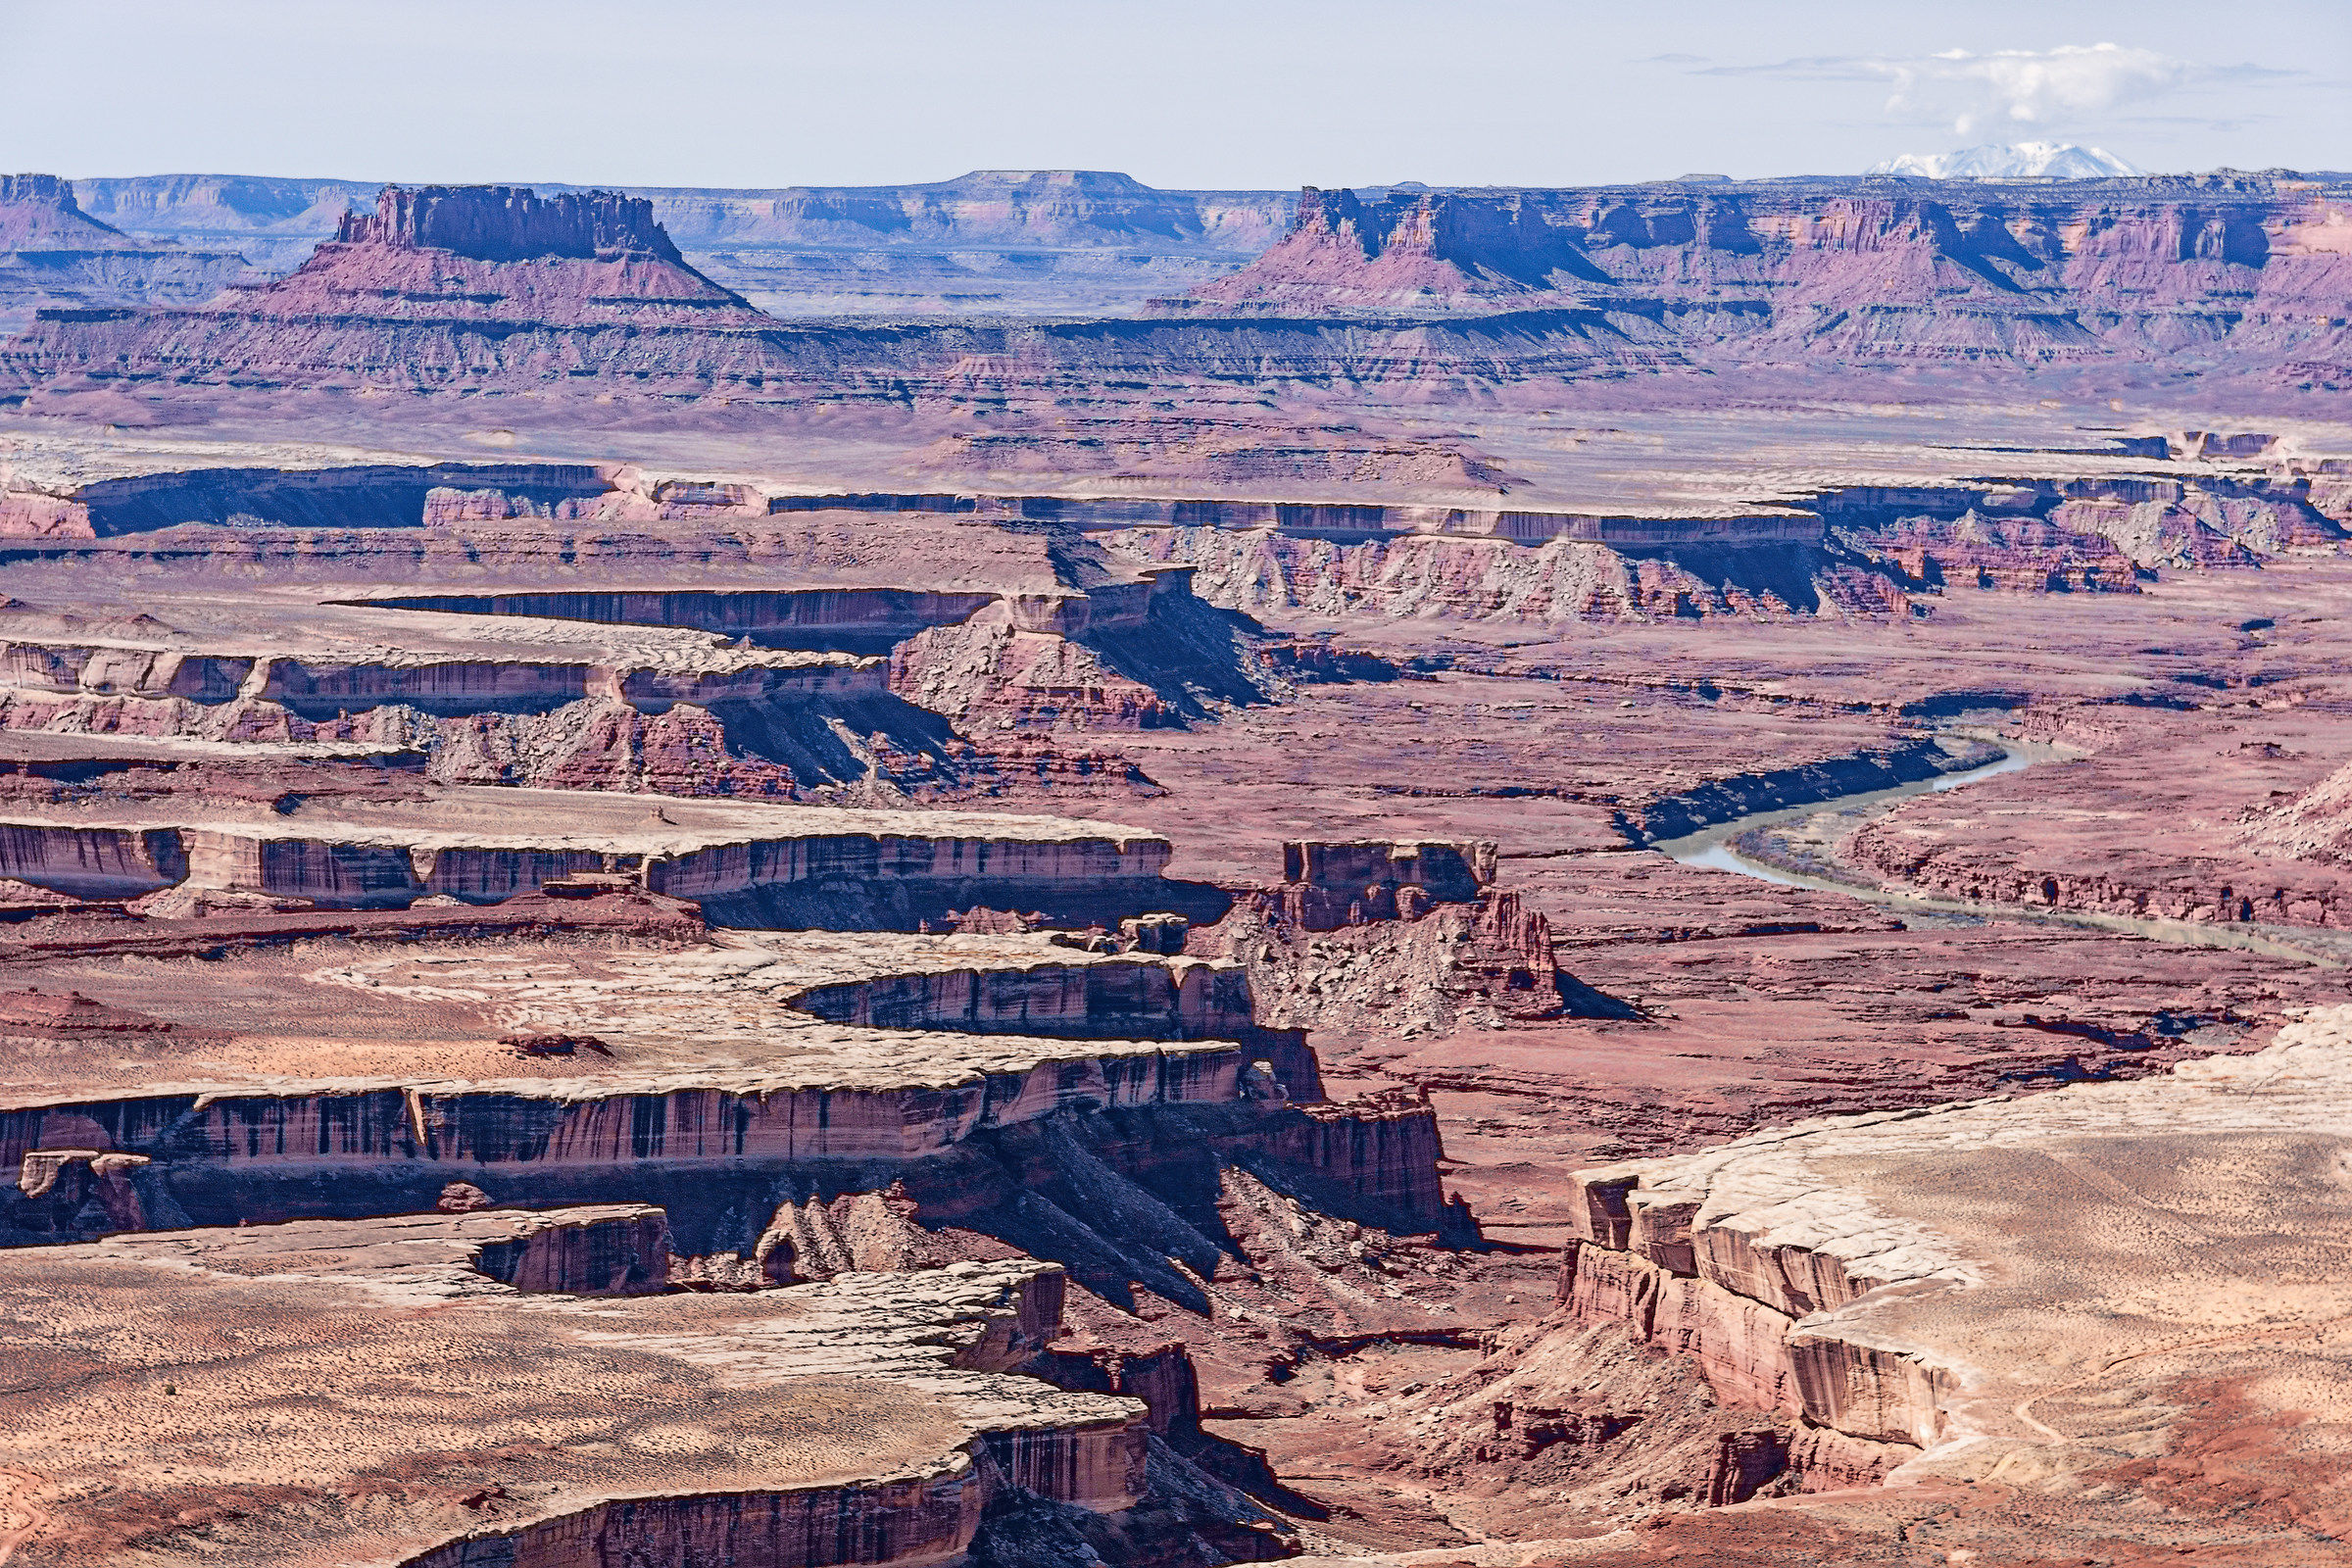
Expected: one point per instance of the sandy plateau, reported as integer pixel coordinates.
(1032, 873)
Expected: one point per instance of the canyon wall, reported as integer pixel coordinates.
(900, 876)
(1136, 1001)
(1728, 1291)
(1057, 207)
(1874, 551)
(1671, 816)
(509, 224)
(1869, 270)
(2244, 275)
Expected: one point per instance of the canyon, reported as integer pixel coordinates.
(1506, 877)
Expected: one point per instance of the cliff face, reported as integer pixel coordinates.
(377, 318)
(1867, 268)
(506, 224)
(1061, 207)
(500, 253)
(1408, 252)
(2248, 277)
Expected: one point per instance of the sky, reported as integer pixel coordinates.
(1189, 94)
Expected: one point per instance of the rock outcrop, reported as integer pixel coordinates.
(1721, 799)
(2242, 277)
(1411, 252)
(1861, 551)
(1907, 1306)
(873, 1419)
(1393, 937)
(1869, 271)
(853, 869)
(442, 285)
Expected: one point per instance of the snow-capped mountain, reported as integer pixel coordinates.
(2055, 160)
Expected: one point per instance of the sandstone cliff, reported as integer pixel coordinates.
(1869, 271)
(1057, 207)
(2247, 276)
(443, 283)
(1408, 253)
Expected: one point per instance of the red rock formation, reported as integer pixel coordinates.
(1863, 270)
(2202, 889)
(443, 284)
(502, 223)
(36, 1012)
(804, 250)
(1408, 252)
(2243, 277)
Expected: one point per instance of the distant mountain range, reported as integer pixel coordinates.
(992, 241)
(2025, 160)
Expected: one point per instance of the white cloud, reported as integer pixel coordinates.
(2011, 89)
(2052, 87)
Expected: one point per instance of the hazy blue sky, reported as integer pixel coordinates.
(1214, 93)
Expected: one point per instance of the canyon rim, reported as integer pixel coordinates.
(1034, 871)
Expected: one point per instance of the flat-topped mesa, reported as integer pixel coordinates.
(704, 1070)
(683, 714)
(510, 223)
(2244, 279)
(497, 252)
(873, 1419)
(336, 496)
(440, 287)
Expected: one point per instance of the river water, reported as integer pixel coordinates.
(1709, 848)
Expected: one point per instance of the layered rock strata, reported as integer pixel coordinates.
(488, 700)
(336, 496)
(1901, 1282)
(2221, 275)
(483, 845)
(707, 1064)
(872, 1419)
(1722, 799)
(1872, 551)
(1872, 269)
(1003, 241)
(444, 283)
(987, 629)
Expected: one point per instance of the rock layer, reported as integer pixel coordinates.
(872, 1417)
